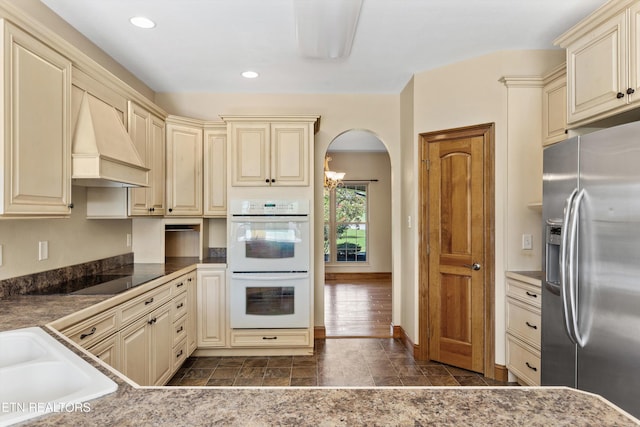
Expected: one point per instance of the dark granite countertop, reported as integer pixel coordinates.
(317, 406)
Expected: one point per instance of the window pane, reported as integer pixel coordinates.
(352, 243)
(327, 243)
(351, 203)
(327, 204)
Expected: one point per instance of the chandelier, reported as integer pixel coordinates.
(331, 179)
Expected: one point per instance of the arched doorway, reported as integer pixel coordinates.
(357, 238)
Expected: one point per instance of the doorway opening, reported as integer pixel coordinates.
(357, 238)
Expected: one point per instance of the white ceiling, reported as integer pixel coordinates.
(204, 45)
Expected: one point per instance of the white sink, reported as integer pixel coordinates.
(40, 375)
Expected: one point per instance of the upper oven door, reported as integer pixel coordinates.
(269, 243)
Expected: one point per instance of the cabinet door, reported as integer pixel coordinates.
(36, 140)
(161, 345)
(634, 52)
(554, 111)
(191, 313)
(156, 156)
(290, 154)
(250, 154)
(215, 172)
(134, 351)
(211, 301)
(597, 70)
(108, 350)
(184, 170)
(139, 131)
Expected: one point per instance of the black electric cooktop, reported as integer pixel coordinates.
(101, 284)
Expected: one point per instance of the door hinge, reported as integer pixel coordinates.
(428, 249)
(427, 163)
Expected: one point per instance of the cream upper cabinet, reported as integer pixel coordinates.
(215, 170)
(554, 106)
(603, 63)
(36, 156)
(270, 151)
(184, 167)
(148, 134)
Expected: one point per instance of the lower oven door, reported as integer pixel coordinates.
(269, 300)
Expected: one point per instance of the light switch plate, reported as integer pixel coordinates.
(527, 241)
(43, 250)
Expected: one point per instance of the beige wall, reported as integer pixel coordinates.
(71, 240)
(365, 166)
(462, 94)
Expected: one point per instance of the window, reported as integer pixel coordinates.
(346, 224)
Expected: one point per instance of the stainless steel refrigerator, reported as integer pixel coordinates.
(591, 265)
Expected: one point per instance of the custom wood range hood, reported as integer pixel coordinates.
(103, 154)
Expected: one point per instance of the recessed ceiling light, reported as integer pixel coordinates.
(249, 74)
(142, 22)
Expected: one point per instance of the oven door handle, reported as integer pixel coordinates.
(270, 277)
(304, 218)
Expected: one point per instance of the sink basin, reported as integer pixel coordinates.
(38, 375)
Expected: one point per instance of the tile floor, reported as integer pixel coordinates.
(352, 362)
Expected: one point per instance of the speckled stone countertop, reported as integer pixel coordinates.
(406, 406)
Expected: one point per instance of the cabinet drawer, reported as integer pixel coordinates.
(523, 361)
(94, 329)
(524, 321)
(267, 338)
(145, 303)
(179, 306)
(180, 354)
(524, 292)
(179, 330)
(179, 285)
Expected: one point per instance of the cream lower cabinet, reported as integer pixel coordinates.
(146, 348)
(36, 138)
(146, 337)
(523, 329)
(211, 308)
(270, 151)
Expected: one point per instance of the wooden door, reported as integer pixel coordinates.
(161, 345)
(139, 133)
(215, 171)
(250, 162)
(211, 313)
(134, 351)
(457, 242)
(184, 170)
(157, 164)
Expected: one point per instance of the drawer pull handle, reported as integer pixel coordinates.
(180, 305)
(180, 330)
(531, 326)
(88, 334)
(179, 285)
(269, 338)
(532, 294)
(152, 321)
(533, 368)
(179, 354)
(149, 301)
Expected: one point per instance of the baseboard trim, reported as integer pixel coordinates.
(345, 277)
(399, 333)
(319, 333)
(501, 373)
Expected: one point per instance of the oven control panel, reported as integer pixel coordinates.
(270, 207)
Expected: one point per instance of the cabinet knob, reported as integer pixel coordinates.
(620, 95)
(273, 180)
(630, 91)
(266, 180)
(170, 209)
(70, 205)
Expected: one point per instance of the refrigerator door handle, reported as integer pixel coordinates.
(571, 258)
(564, 284)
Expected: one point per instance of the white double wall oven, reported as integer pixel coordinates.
(269, 262)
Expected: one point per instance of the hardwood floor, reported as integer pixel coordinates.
(357, 308)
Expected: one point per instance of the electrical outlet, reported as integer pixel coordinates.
(43, 250)
(128, 240)
(527, 242)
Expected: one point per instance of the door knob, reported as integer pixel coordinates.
(475, 266)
